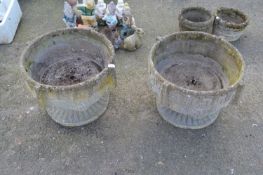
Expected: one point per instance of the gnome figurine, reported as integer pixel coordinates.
(119, 9)
(88, 14)
(110, 17)
(128, 22)
(100, 11)
(70, 13)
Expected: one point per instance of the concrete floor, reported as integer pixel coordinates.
(131, 137)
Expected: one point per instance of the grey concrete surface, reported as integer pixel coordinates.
(131, 138)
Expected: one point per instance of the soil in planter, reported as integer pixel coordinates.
(194, 72)
(231, 17)
(68, 64)
(70, 71)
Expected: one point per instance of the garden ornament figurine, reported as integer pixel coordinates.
(88, 14)
(128, 22)
(117, 41)
(100, 11)
(110, 17)
(119, 9)
(70, 13)
(134, 41)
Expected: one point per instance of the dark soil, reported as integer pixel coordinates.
(70, 71)
(231, 17)
(194, 72)
(68, 63)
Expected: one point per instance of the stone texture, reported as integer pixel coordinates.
(131, 138)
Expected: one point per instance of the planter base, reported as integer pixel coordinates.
(227, 34)
(230, 23)
(185, 121)
(71, 118)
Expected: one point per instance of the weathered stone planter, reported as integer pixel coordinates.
(194, 75)
(230, 23)
(71, 72)
(196, 19)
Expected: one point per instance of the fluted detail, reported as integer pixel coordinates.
(68, 117)
(185, 121)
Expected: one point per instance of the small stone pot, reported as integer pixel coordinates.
(77, 103)
(196, 19)
(230, 23)
(205, 74)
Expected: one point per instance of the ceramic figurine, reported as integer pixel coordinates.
(128, 22)
(70, 13)
(88, 14)
(110, 17)
(134, 41)
(119, 9)
(117, 41)
(100, 11)
(113, 35)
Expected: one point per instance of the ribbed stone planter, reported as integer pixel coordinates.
(194, 75)
(71, 72)
(230, 23)
(196, 19)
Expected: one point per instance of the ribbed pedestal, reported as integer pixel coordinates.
(69, 117)
(185, 121)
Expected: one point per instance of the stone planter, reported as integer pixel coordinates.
(230, 23)
(71, 72)
(194, 75)
(196, 19)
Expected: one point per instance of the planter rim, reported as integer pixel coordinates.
(232, 24)
(94, 78)
(188, 91)
(184, 10)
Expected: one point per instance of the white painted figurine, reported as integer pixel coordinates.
(70, 13)
(110, 17)
(119, 9)
(100, 8)
(100, 11)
